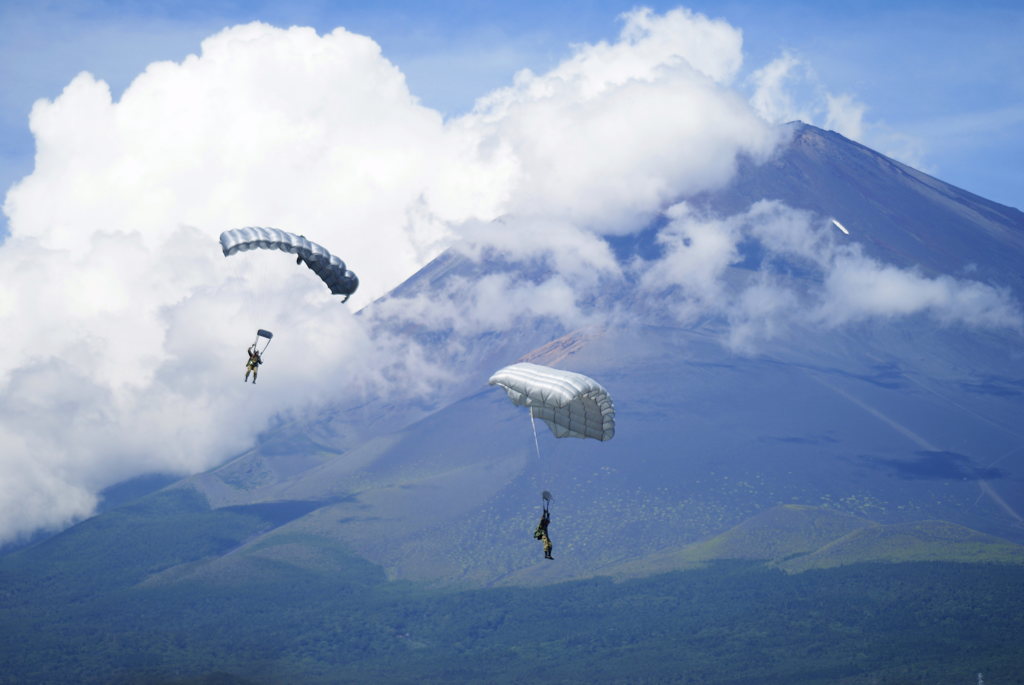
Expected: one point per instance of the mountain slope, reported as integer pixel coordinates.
(772, 535)
(862, 437)
(901, 215)
(894, 421)
(799, 538)
(903, 542)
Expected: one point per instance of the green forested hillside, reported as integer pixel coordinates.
(125, 598)
(732, 622)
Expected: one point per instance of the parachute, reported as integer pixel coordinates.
(260, 333)
(329, 268)
(573, 405)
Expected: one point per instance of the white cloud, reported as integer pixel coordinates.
(598, 145)
(845, 115)
(128, 327)
(493, 302)
(316, 134)
(608, 137)
(787, 89)
(699, 275)
(568, 249)
(858, 288)
(772, 97)
(697, 253)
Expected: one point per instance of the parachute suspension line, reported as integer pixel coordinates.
(262, 334)
(538, 474)
(256, 343)
(533, 424)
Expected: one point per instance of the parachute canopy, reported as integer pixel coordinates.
(329, 268)
(573, 405)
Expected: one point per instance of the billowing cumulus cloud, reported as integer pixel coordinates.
(598, 145)
(266, 127)
(125, 327)
(605, 139)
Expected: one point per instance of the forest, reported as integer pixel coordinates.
(730, 622)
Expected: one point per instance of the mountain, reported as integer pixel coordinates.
(833, 449)
(899, 214)
(894, 422)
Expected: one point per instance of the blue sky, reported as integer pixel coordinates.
(941, 82)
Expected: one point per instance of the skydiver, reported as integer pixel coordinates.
(542, 532)
(253, 365)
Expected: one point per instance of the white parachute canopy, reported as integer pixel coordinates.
(573, 405)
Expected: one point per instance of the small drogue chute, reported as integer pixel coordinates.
(267, 335)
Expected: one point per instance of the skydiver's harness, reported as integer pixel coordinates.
(542, 527)
(254, 361)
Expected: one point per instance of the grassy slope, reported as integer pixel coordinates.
(799, 538)
(918, 541)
